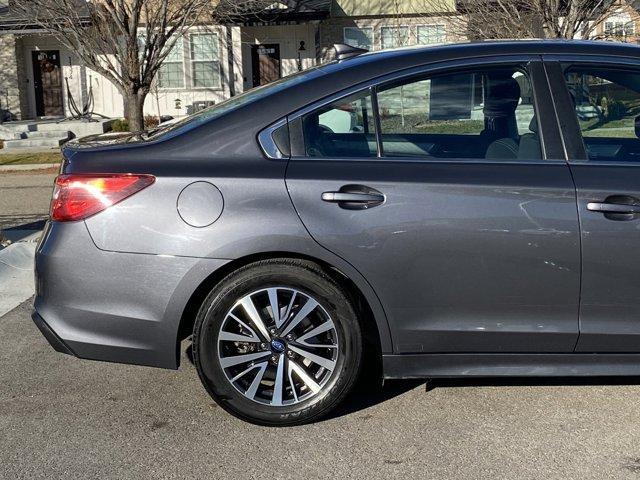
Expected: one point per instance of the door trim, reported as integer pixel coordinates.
(448, 365)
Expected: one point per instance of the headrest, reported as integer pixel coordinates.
(503, 95)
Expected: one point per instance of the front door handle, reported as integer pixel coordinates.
(613, 208)
(354, 197)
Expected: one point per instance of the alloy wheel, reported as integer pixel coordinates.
(278, 346)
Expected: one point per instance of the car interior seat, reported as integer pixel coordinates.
(500, 126)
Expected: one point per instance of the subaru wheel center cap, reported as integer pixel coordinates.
(278, 345)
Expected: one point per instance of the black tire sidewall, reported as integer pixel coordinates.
(309, 280)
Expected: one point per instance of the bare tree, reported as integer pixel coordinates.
(127, 41)
(569, 19)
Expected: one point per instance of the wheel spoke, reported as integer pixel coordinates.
(234, 337)
(293, 385)
(326, 326)
(279, 383)
(244, 372)
(227, 362)
(323, 362)
(251, 330)
(287, 312)
(275, 308)
(308, 307)
(306, 379)
(250, 308)
(253, 388)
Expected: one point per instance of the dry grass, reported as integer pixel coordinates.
(30, 158)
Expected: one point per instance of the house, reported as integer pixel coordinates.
(620, 23)
(41, 77)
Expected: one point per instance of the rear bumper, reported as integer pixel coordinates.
(54, 340)
(112, 306)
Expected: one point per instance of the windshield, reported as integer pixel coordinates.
(208, 114)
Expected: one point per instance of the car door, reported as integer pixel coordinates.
(449, 192)
(602, 127)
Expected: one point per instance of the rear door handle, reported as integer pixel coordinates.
(354, 197)
(613, 208)
(337, 197)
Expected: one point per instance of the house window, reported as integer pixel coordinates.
(619, 28)
(205, 60)
(359, 37)
(393, 37)
(429, 34)
(171, 73)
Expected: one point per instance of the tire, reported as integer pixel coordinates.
(309, 388)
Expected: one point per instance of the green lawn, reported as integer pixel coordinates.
(29, 158)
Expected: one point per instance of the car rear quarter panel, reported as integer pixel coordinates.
(113, 306)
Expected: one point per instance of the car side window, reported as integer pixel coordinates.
(607, 107)
(487, 113)
(345, 128)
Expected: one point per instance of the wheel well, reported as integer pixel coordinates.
(371, 335)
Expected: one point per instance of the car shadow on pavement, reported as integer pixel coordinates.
(530, 382)
(368, 395)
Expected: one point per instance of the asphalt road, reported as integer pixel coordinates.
(61, 417)
(24, 198)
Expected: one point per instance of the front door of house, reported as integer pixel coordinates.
(265, 61)
(47, 83)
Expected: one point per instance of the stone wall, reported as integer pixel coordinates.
(12, 99)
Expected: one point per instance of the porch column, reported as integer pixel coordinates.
(13, 85)
(236, 51)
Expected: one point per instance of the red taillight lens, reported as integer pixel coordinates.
(76, 197)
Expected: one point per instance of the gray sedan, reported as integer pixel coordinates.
(467, 210)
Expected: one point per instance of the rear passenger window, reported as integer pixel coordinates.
(607, 106)
(345, 128)
(477, 114)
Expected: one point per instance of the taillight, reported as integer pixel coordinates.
(76, 197)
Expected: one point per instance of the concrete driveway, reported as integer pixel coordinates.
(61, 417)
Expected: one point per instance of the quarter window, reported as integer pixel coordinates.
(205, 62)
(359, 37)
(171, 73)
(607, 107)
(393, 37)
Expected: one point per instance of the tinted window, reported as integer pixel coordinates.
(607, 106)
(473, 114)
(342, 129)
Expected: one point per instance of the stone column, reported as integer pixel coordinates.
(13, 87)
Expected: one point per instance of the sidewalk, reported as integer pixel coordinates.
(34, 166)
